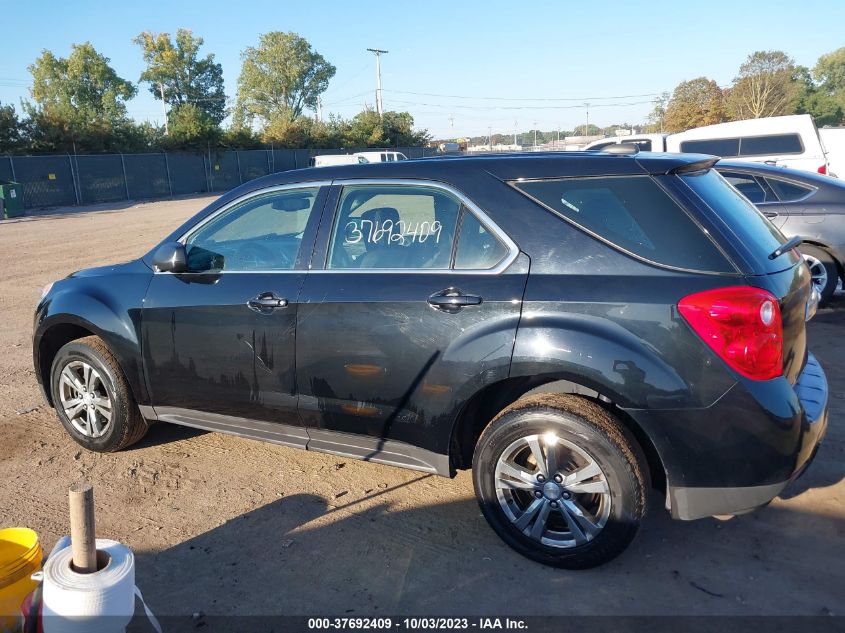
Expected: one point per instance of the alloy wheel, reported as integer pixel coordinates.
(818, 272)
(85, 399)
(553, 491)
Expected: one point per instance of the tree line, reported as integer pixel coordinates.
(78, 103)
(769, 83)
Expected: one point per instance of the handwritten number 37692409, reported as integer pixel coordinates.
(390, 232)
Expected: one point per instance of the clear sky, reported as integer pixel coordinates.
(482, 63)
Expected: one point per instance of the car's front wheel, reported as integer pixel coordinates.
(560, 481)
(92, 397)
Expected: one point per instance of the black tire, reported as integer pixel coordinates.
(590, 429)
(126, 425)
(826, 260)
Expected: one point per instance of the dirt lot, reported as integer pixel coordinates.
(226, 525)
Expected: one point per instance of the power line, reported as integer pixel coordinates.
(431, 94)
(524, 107)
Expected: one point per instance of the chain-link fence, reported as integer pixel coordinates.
(53, 181)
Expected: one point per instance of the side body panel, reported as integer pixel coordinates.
(110, 310)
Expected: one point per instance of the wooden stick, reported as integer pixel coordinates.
(82, 538)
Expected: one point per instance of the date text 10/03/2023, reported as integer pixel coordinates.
(417, 624)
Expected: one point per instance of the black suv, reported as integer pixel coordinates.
(577, 328)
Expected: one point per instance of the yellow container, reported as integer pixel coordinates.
(20, 557)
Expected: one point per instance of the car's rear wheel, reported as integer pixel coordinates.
(823, 270)
(560, 481)
(92, 397)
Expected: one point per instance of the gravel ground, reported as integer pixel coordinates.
(222, 525)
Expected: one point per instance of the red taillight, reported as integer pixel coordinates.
(742, 325)
(822, 169)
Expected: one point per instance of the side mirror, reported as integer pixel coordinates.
(171, 258)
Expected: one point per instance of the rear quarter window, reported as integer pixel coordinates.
(788, 191)
(751, 228)
(634, 214)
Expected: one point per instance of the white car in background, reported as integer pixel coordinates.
(381, 156)
(789, 141)
(833, 139)
(326, 160)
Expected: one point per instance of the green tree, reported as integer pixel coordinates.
(10, 129)
(191, 127)
(694, 103)
(280, 78)
(176, 67)
(814, 100)
(765, 86)
(78, 98)
(399, 130)
(366, 130)
(829, 72)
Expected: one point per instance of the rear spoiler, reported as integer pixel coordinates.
(699, 165)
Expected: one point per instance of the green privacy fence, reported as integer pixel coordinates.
(68, 180)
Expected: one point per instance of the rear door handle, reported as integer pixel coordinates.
(770, 214)
(453, 300)
(266, 302)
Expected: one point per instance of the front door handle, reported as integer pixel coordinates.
(266, 302)
(453, 300)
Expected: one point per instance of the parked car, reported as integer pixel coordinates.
(790, 141)
(800, 204)
(576, 328)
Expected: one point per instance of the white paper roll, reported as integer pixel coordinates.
(102, 602)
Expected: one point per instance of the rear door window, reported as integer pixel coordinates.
(788, 191)
(634, 214)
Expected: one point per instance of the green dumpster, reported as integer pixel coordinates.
(12, 195)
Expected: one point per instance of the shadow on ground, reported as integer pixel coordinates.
(300, 556)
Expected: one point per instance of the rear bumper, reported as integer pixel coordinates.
(740, 453)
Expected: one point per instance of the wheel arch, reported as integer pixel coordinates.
(830, 250)
(485, 404)
(57, 330)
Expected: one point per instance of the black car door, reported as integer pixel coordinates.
(219, 341)
(415, 309)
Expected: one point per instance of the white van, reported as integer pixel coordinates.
(833, 139)
(326, 160)
(788, 141)
(381, 156)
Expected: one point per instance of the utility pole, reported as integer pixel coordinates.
(515, 128)
(535, 136)
(490, 137)
(163, 108)
(378, 53)
(587, 125)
